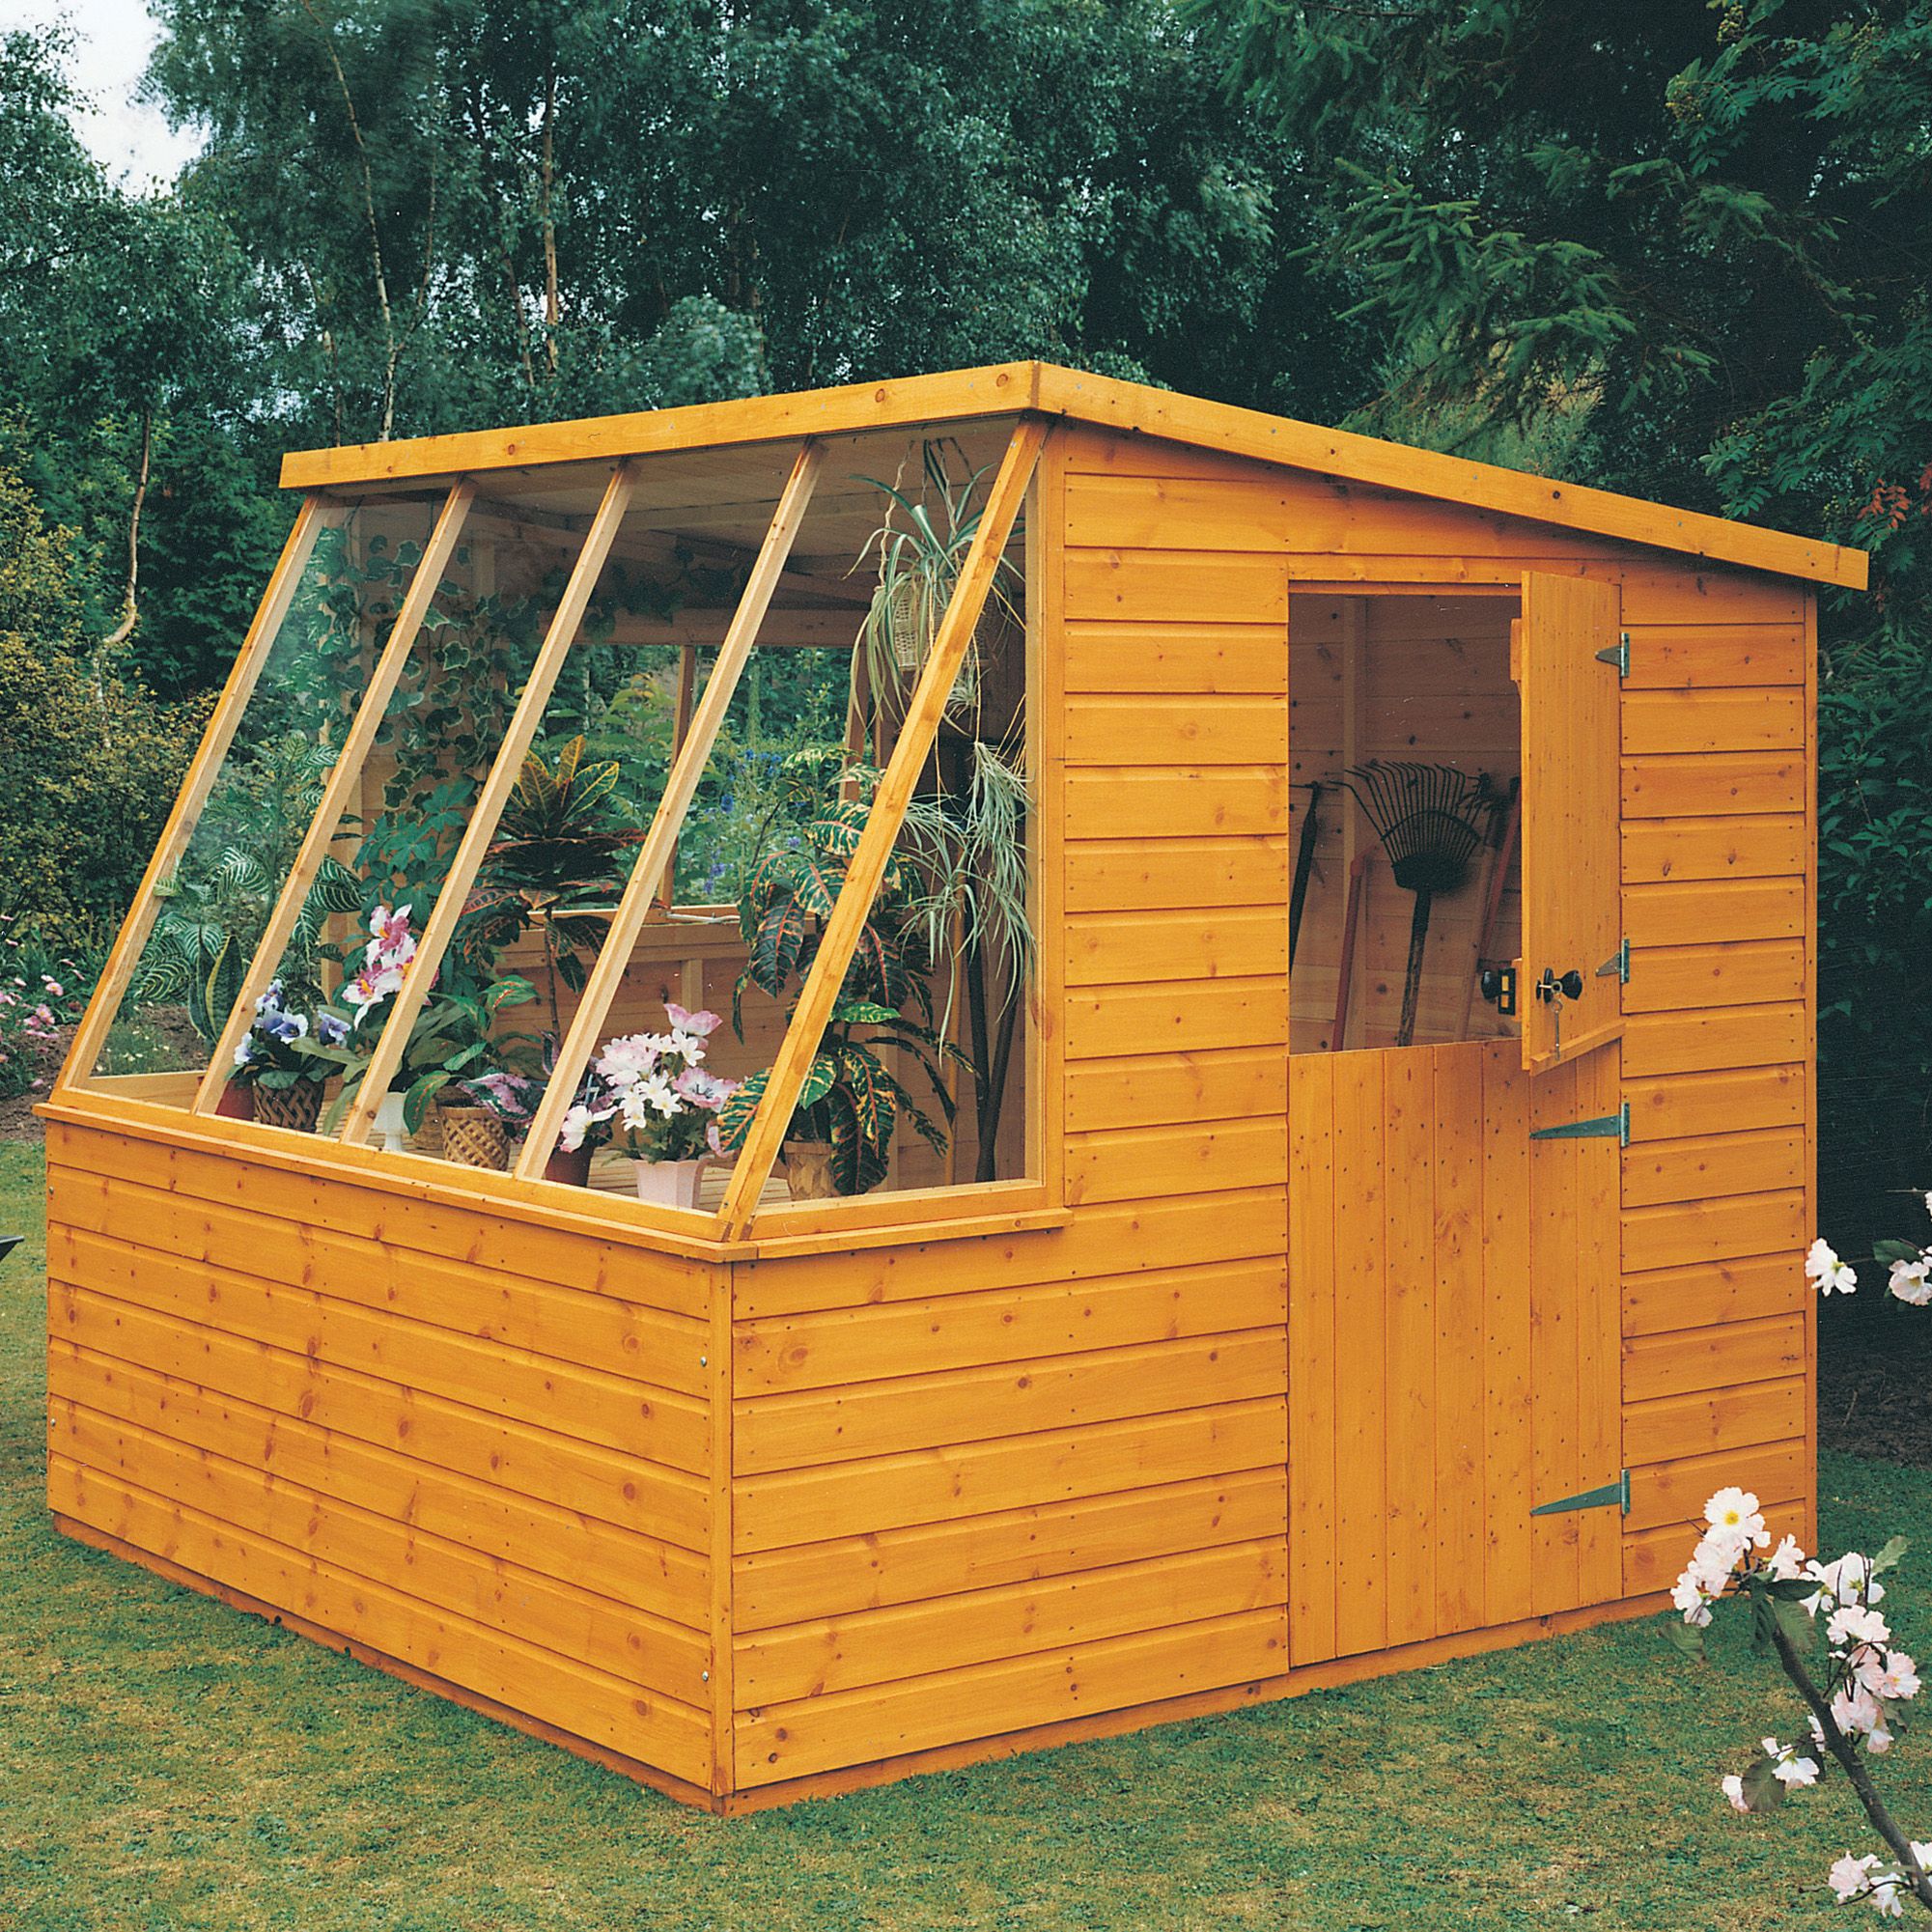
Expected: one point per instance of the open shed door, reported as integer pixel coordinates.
(1567, 663)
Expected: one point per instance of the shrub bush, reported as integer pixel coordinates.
(90, 760)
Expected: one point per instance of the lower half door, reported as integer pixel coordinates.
(1454, 1343)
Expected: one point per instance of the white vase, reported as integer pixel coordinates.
(389, 1125)
(671, 1183)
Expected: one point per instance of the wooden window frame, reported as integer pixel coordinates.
(319, 512)
(640, 891)
(440, 929)
(344, 776)
(801, 1226)
(866, 869)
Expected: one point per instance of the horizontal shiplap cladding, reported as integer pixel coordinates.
(842, 1347)
(616, 1488)
(457, 1505)
(809, 1581)
(315, 1513)
(521, 1675)
(811, 1660)
(943, 1407)
(585, 1404)
(983, 1700)
(483, 1306)
(771, 1511)
(472, 1239)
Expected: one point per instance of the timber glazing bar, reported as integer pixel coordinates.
(317, 514)
(869, 859)
(387, 1058)
(654, 858)
(344, 776)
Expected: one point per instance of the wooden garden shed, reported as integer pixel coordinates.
(1240, 1344)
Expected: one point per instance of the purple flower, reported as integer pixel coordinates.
(284, 1027)
(331, 1029)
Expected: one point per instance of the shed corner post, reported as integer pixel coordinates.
(720, 1675)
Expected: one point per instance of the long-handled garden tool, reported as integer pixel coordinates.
(1507, 819)
(1429, 820)
(1305, 863)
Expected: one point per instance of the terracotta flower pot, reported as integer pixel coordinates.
(237, 1101)
(572, 1169)
(295, 1108)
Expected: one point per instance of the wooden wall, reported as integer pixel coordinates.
(986, 1485)
(478, 1446)
(1718, 842)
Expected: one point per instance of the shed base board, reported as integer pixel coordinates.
(1321, 1676)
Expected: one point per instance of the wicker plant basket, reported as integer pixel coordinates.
(808, 1170)
(295, 1108)
(911, 644)
(473, 1136)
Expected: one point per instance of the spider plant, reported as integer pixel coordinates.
(850, 1099)
(920, 557)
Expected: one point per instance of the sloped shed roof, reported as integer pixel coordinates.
(1003, 389)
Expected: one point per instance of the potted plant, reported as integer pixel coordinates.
(661, 1105)
(555, 865)
(919, 562)
(840, 1133)
(285, 1059)
(452, 1040)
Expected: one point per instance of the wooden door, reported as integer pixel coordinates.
(1564, 653)
(1453, 1329)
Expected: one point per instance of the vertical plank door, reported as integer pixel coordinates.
(1453, 1291)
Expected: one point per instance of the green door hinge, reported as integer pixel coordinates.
(1618, 654)
(1618, 962)
(1618, 1493)
(1606, 1127)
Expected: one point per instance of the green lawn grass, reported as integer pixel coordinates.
(165, 1762)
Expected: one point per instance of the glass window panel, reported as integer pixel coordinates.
(217, 902)
(783, 795)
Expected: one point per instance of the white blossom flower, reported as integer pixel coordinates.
(1789, 1766)
(1849, 1577)
(1890, 1676)
(1691, 1597)
(1887, 1890)
(1849, 1876)
(1786, 1562)
(1853, 1624)
(1733, 1788)
(577, 1126)
(1912, 1281)
(1824, 1268)
(1735, 1512)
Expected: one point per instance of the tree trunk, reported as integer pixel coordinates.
(130, 610)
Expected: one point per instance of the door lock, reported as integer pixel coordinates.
(1497, 986)
(1553, 991)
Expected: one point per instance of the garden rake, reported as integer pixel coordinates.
(1429, 820)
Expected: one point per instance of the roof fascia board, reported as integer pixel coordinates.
(962, 395)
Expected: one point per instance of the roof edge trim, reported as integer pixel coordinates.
(1001, 388)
